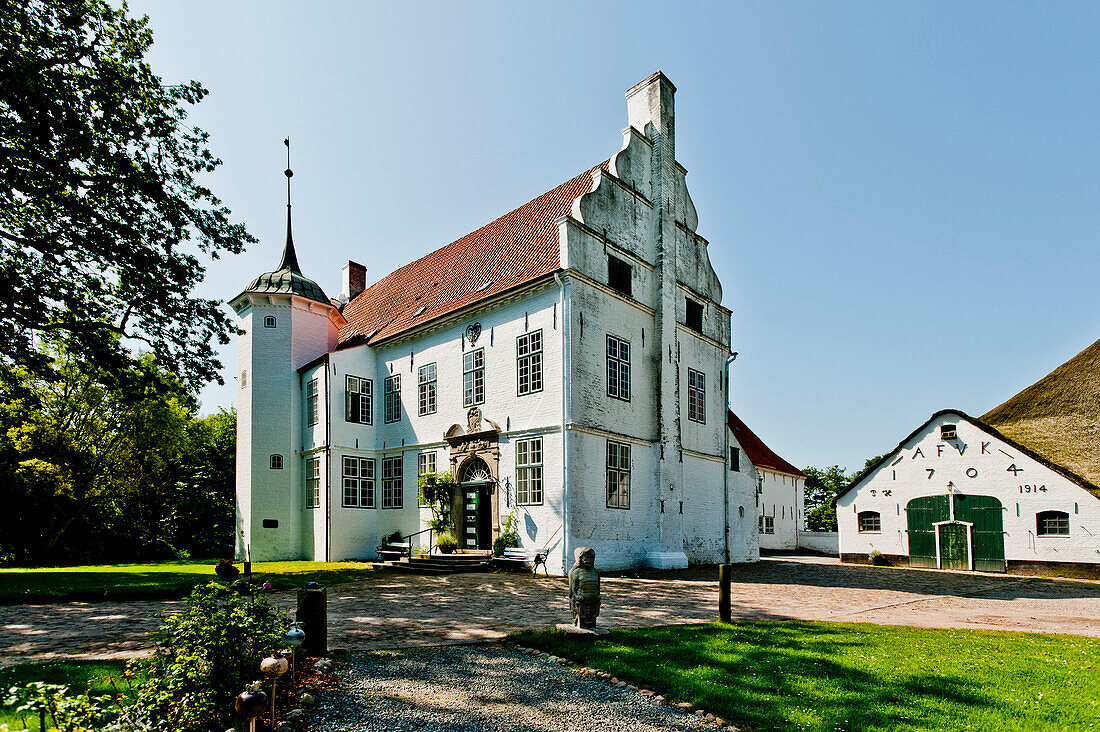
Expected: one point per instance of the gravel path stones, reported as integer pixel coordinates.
(477, 689)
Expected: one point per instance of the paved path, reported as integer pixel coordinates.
(397, 611)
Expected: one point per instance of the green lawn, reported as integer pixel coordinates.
(158, 579)
(846, 676)
(79, 676)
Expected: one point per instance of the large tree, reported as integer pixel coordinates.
(822, 485)
(104, 222)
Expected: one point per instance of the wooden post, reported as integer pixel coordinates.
(313, 617)
(725, 575)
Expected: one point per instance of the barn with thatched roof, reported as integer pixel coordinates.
(1014, 491)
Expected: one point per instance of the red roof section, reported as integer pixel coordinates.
(518, 247)
(758, 453)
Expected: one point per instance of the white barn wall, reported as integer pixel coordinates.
(905, 475)
(781, 497)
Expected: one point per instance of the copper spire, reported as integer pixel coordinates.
(290, 259)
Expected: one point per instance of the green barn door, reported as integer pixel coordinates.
(921, 514)
(954, 547)
(987, 515)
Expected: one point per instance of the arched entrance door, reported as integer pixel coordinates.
(477, 502)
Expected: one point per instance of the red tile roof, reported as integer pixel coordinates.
(757, 452)
(516, 248)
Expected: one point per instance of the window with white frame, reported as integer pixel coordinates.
(529, 362)
(697, 396)
(276, 462)
(767, 524)
(357, 398)
(311, 401)
(618, 474)
(313, 482)
(529, 472)
(269, 321)
(426, 384)
(392, 492)
(1052, 523)
(358, 482)
(392, 395)
(425, 463)
(473, 378)
(618, 368)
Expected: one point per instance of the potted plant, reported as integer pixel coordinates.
(509, 536)
(226, 571)
(447, 544)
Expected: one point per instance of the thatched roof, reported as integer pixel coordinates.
(1059, 416)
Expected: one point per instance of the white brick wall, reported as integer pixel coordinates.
(783, 499)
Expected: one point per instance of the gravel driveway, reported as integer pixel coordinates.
(478, 688)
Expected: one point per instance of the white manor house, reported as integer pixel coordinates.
(567, 362)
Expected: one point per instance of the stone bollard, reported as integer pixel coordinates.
(312, 616)
(725, 576)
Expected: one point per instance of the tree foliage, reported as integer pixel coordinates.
(90, 473)
(103, 218)
(821, 486)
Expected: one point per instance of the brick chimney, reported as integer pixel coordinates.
(355, 280)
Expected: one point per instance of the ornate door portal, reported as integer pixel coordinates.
(477, 485)
(475, 461)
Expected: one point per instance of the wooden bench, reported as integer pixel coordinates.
(516, 556)
(394, 552)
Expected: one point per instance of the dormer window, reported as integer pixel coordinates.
(269, 321)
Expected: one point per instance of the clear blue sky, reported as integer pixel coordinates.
(901, 199)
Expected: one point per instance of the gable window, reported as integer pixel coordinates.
(618, 368)
(426, 383)
(392, 492)
(767, 524)
(392, 394)
(311, 401)
(269, 321)
(473, 378)
(358, 482)
(697, 396)
(618, 275)
(276, 462)
(529, 362)
(529, 472)
(948, 432)
(313, 482)
(1052, 523)
(618, 474)
(357, 397)
(694, 315)
(870, 522)
(735, 459)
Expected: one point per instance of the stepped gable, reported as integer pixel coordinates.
(517, 248)
(757, 452)
(1059, 415)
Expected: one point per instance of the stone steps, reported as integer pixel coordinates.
(440, 564)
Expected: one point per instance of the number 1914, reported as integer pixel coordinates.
(1033, 488)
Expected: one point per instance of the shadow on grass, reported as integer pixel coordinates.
(778, 676)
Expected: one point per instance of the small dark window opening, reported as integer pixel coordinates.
(619, 275)
(947, 432)
(735, 459)
(694, 319)
(269, 321)
(1052, 523)
(271, 523)
(276, 462)
(869, 521)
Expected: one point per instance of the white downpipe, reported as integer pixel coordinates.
(726, 468)
(565, 362)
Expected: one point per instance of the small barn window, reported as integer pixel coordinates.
(276, 462)
(269, 321)
(869, 522)
(271, 523)
(1052, 523)
(947, 432)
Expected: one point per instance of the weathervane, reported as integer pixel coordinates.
(290, 259)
